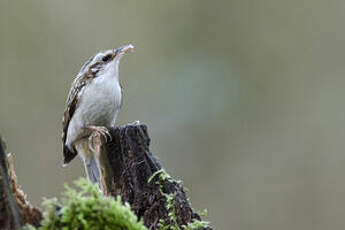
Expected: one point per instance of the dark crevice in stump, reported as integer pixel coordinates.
(133, 165)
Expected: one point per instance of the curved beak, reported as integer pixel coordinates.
(123, 49)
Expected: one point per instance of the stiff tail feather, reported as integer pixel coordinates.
(97, 166)
(92, 170)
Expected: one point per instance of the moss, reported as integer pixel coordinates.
(196, 224)
(29, 227)
(170, 200)
(86, 209)
(163, 175)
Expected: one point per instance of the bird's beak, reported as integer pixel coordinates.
(123, 49)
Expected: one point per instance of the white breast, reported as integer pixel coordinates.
(100, 102)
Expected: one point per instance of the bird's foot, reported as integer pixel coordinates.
(100, 130)
(95, 137)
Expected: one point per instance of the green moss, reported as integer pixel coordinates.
(170, 200)
(86, 209)
(196, 224)
(163, 175)
(29, 227)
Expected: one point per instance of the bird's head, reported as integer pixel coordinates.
(106, 62)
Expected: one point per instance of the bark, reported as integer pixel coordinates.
(132, 165)
(15, 210)
(9, 213)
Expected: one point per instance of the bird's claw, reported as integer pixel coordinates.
(101, 130)
(95, 137)
(92, 140)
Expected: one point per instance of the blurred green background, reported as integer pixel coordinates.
(244, 99)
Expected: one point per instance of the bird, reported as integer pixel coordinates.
(92, 105)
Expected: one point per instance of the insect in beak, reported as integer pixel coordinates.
(123, 49)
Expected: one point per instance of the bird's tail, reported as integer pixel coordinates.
(97, 165)
(92, 170)
(90, 162)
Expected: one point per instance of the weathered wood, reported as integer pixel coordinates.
(133, 165)
(9, 213)
(15, 210)
(137, 176)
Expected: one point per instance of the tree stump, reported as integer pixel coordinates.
(137, 177)
(133, 165)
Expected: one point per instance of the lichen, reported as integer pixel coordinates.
(87, 209)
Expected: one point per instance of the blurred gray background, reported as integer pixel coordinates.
(244, 99)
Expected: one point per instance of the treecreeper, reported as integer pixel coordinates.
(117, 159)
(93, 103)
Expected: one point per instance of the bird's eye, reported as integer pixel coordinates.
(106, 58)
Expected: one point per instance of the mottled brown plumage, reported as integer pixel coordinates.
(72, 102)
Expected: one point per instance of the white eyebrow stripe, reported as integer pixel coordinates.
(95, 58)
(87, 63)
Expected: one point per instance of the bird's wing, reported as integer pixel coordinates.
(72, 102)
